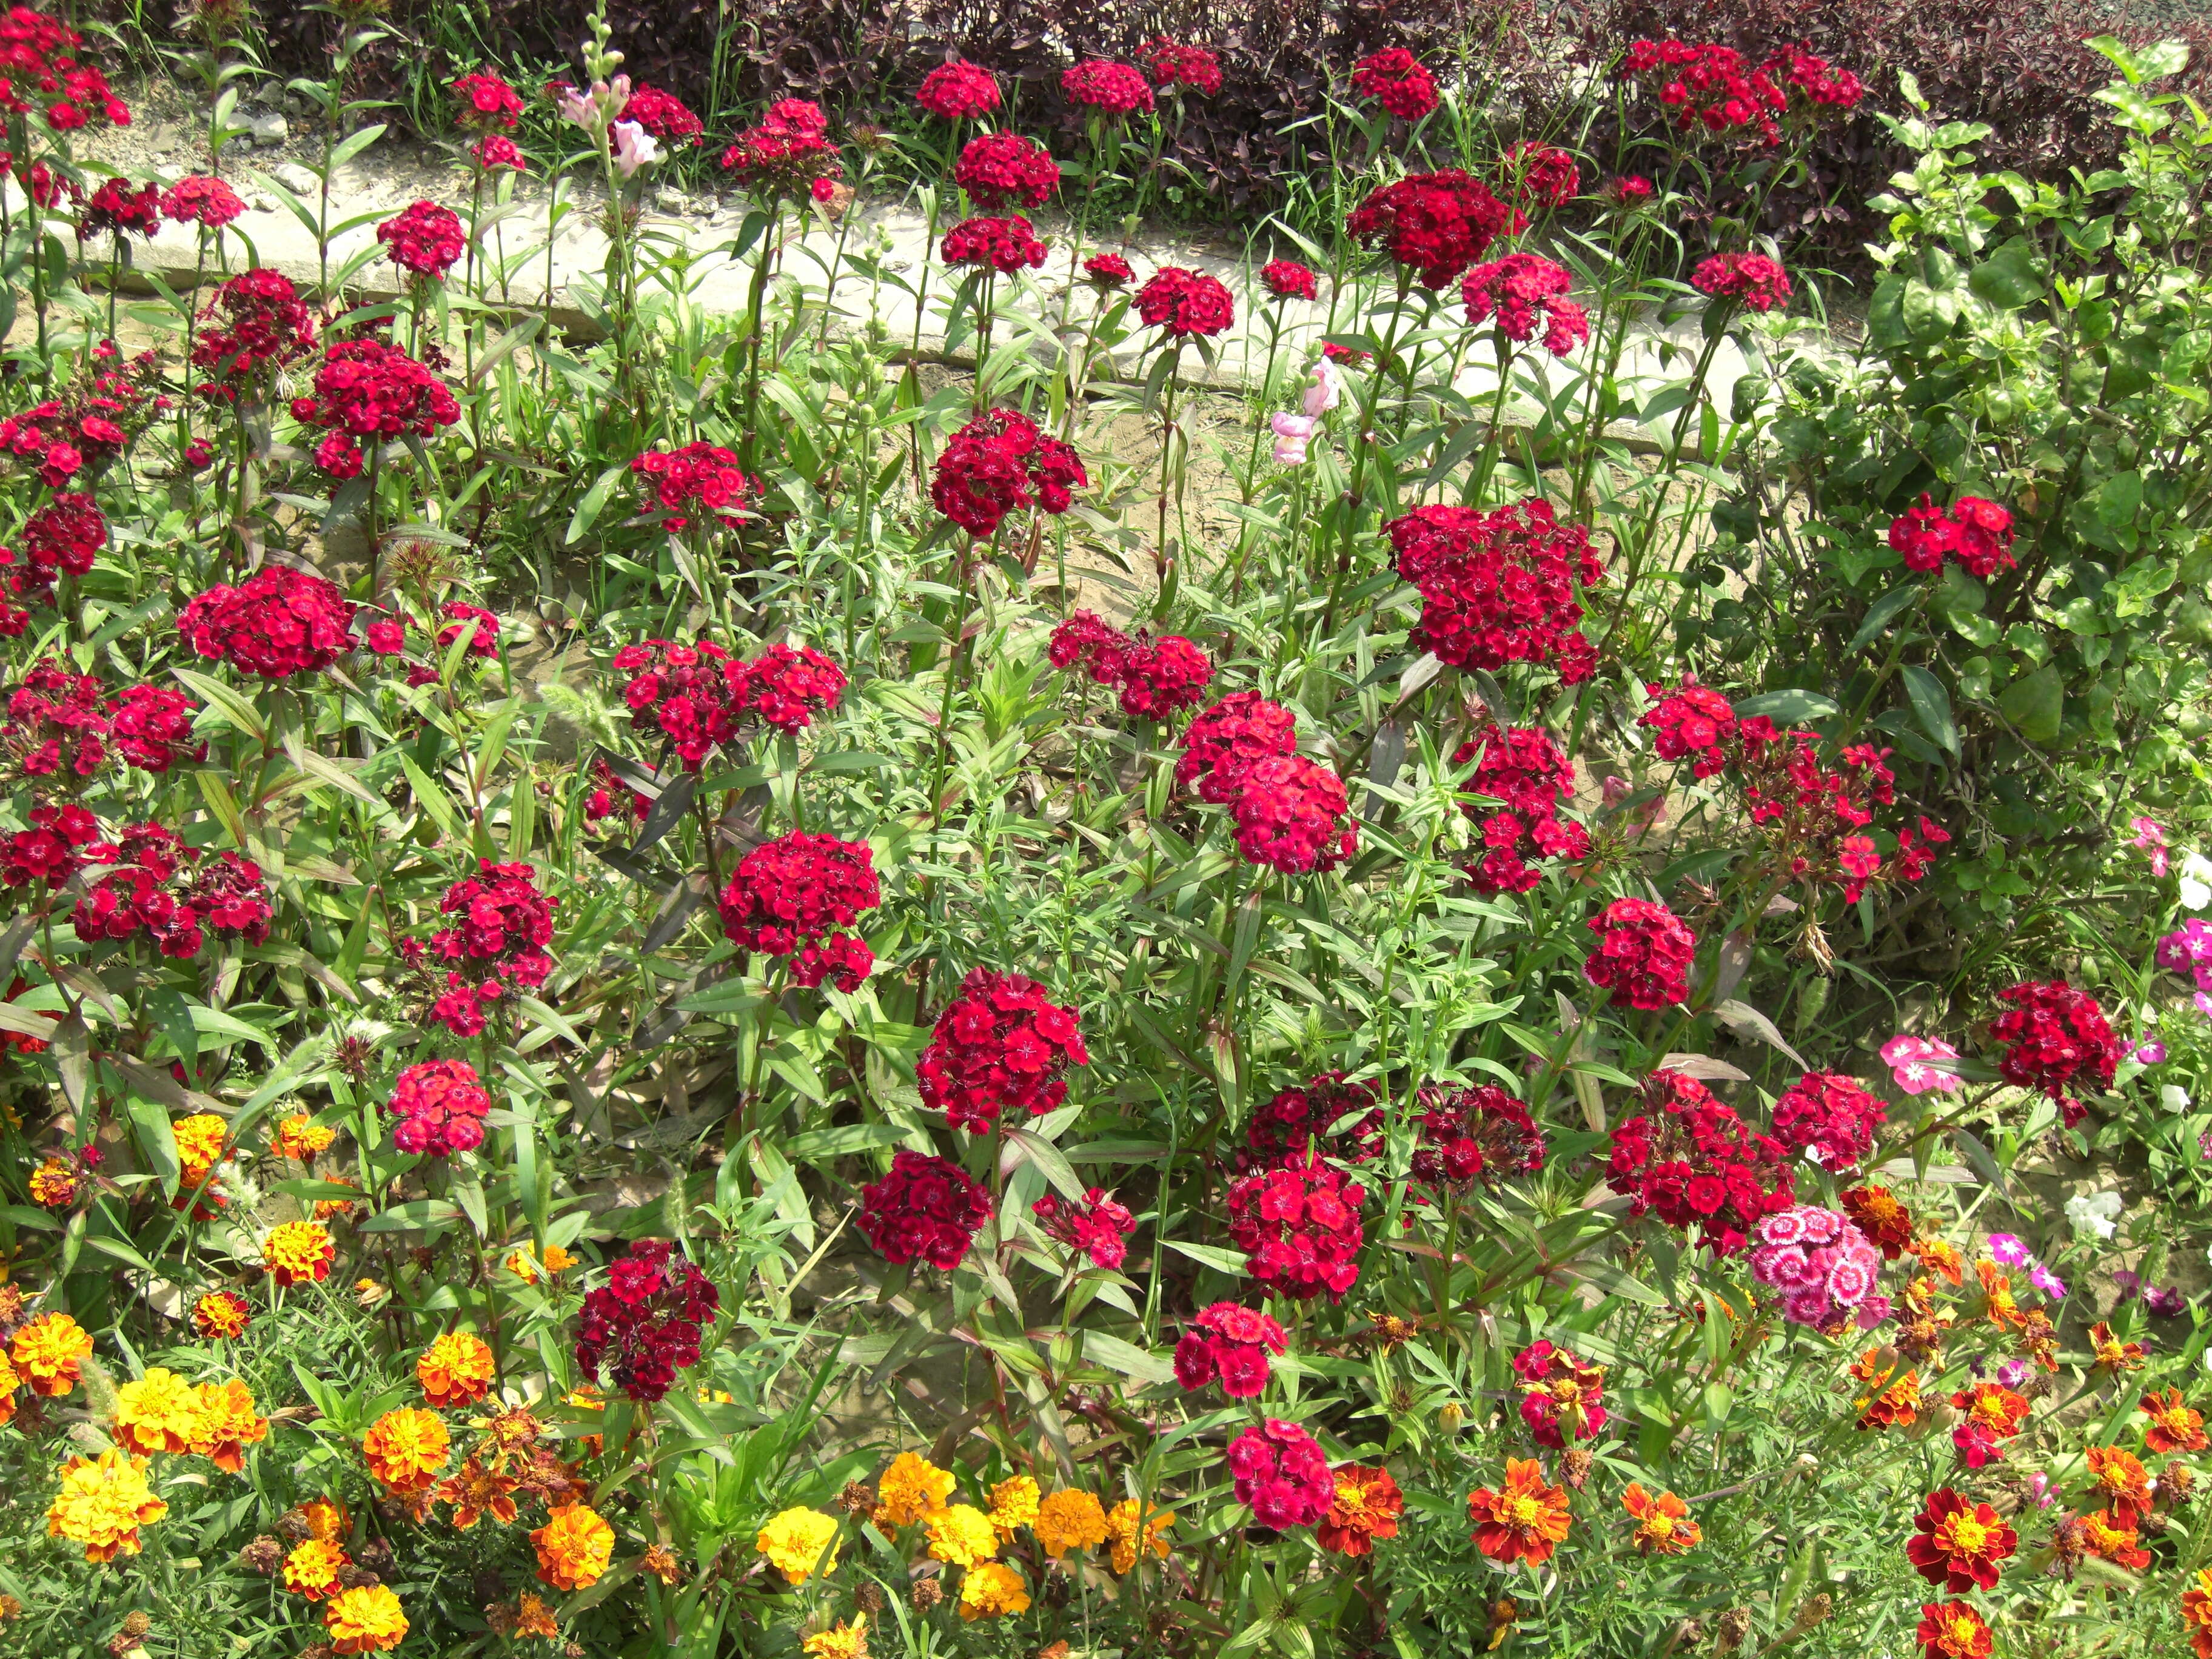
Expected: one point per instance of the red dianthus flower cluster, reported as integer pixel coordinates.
(1222, 744)
(488, 101)
(1709, 88)
(172, 892)
(1108, 271)
(1522, 768)
(1293, 816)
(1694, 1164)
(785, 687)
(1539, 175)
(1395, 79)
(1173, 65)
(698, 477)
(1752, 280)
(1522, 290)
(1001, 1044)
(39, 71)
(1298, 1226)
(786, 152)
(681, 691)
(116, 210)
(62, 537)
(958, 92)
(1500, 586)
(1973, 534)
(255, 321)
(1691, 721)
(1156, 677)
(1110, 88)
(794, 895)
(1282, 1475)
(65, 439)
(61, 720)
(664, 115)
(1820, 86)
(439, 1108)
(198, 200)
(927, 1209)
(1286, 279)
(1478, 1133)
(644, 1324)
(1643, 956)
(1099, 1227)
(999, 463)
(1004, 169)
(1230, 1344)
(1294, 1126)
(365, 389)
(1436, 223)
(1005, 246)
(1185, 303)
(423, 240)
(2052, 1035)
(1832, 1115)
(500, 925)
(277, 622)
(61, 840)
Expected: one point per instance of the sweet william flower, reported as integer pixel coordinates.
(958, 92)
(1912, 1062)
(927, 1209)
(1281, 1475)
(1398, 80)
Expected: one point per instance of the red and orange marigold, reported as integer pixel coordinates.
(1663, 1525)
(1525, 1520)
(456, 1370)
(1958, 1544)
(1366, 1507)
(405, 1449)
(2173, 1425)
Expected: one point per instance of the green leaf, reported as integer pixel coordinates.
(843, 1141)
(234, 708)
(354, 144)
(1931, 707)
(1883, 610)
(1209, 1256)
(2011, 277)
(1127, 1357)
(1791, 706)
(594, 502)
(1021, 1144)
(156, 1139)
(2035, 704)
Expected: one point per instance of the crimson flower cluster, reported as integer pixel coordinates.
(1643, 956)
(438, 1107)
(1221, 747)
(786, 152)
(1499, 586)
(423, 240)
(61, 840)
(1229, 1343)
(198, 200)
(1559, 1395)
(1000, 1045)
(1694, 722)
(697, 477)
(488, 102)
(1099, 1227)
(59, 720)
(1821, 87)
(1298, 1226)
(64, 440)
(1478, 1132)
(1004, 169)
(1709, 88)
(1293, 816)
(1752, 280)
(927, 1209)
(1156, 677)
(1522, 768)
(1694, 1164)
(1293, 1128)
(1541, 175)
(999, 463)
(1395, 79)
(1110, 88)
(1522, 290)
(1108, 271)
(958, 92)
(682, 692)
(1437, 224)
(1005, 246)
(645, 1324)
(1831, 1116)
(499, 927)
(116, 210)
(1286, 279)
(1973, 534)
(255, 321)
(365, 389)
(1170, 65)
(2055, 1037)
(1186, 303)
(1282, 1475)
(40, 71)
(795, 896)
(172, 892)
(496, 149)
(664, 115)
(62, 538)
(277, 623)
(785, 687)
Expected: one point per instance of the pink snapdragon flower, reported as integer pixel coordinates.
(1327, 388)
(634, 147)
(1911, 1061)
(1292, 434)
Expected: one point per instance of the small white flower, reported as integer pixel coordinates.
(2094, 1213)
(2173, 1097)
(2196, 882)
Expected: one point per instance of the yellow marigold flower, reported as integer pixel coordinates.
(533, 1618)
(312, 1569)
(8, 1382)
(297, 1251)
(456, 1370)
(47, 1350)
(366, 1619)
(795, 1541)
(844, 1642)
(573, 1547)
(199, 1145)
(1068, 1521)
(524, 1266)
(326, 1518)
(102, 1503)
(911, 1488)
(1014, 1504)
(228, 1423)
(299, 1137)
(156, 1413)
(557, 1260)
(963, 1534)
(1122, 1532)
(221, 1314)
(53, 1185)
(406, 1448)
(991, 1590)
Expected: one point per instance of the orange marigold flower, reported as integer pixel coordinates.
(199, 1140)
(1993, 1413)
(1069, 1520)
(299, 1137)
(365, 1620)
(661, 1561)
(2121, 1478)
(2109, 1536)
(47, 1350)
(909, 1490)
(221, 1314)
(156, 1413)
(534, 1618)
(1014, 1504)
(475, 1491)
(1940, 1255)
(1892, 1401)
(557, 1260)
(573, 1547)
(524, 1266)
(297, 1251)
(54, 1184)
(1366, 1507)
(312, 1569)
(839, 1642)
(325, 1208)
(2173, 1427)
(326, 1518)
(8, 1382)
(1887, 1223)
(2039, 1339)
(406, 1448)
(1663, 1525)
(2197, 1614)
(1952, 1629)
(1958, 1544)
(1997, 1292)
(228, 1423)
(102, 1502)
(1122, 1532)
(456, 1370)
(991, 1589)
(2112, 1354)
(1525, 1520)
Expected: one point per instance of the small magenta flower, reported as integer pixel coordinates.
(2039, 1488)
(2150, 1052)
(2048, 1282)
(2008, 1251)
(1912, 1063)
(2152, 839)
(2012, 1373)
